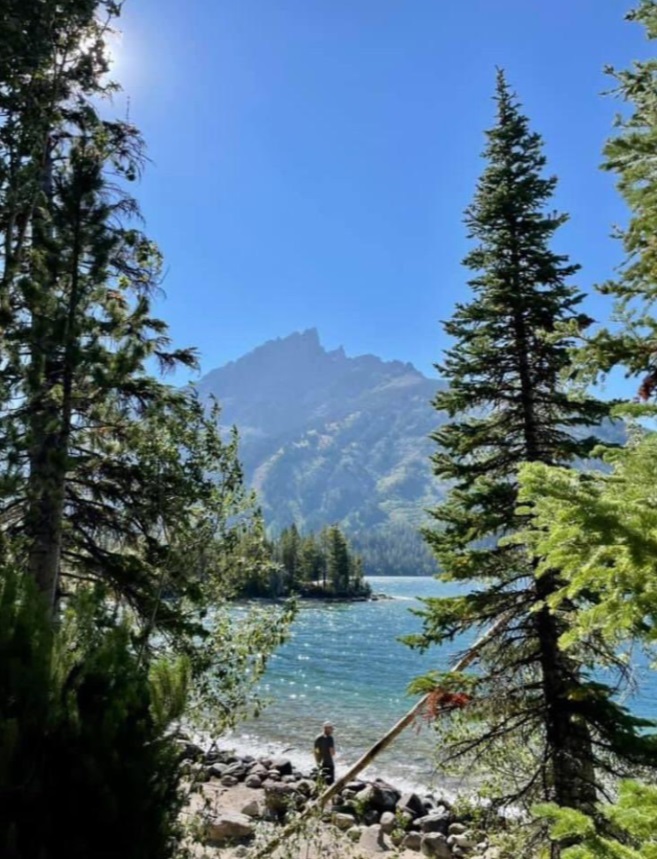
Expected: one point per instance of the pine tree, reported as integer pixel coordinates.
(507, 406)
(108, 475)
(338, 561)
(631, 154)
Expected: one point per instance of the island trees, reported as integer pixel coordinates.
(507, 406)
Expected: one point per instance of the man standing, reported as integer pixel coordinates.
(324, 749)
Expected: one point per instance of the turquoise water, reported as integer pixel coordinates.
(344, 663)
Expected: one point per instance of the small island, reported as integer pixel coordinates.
(313, 566)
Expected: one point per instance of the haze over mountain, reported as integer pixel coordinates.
(327, 438)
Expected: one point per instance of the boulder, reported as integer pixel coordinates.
(189, 751)
(457, 828)
(237, 769)
(463, 842)
(412, 841)
(216, 770)
(253, 781)
(412, 803)
(229, 780)
(306, 787)
(252, 808)
(434, 844)
(386, 796)
(283, 765)
(342, 821)
(379, 796)
(371, 816)
(355, 786)
(436, 821)
(227, 826)
(280, 797)
(388, 822)
(258, 769)
(354, 834)
(372, 841)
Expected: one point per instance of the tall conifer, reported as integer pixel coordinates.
(507, 406)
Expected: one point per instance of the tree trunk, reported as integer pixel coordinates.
(573, 781)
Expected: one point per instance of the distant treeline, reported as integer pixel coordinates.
(398, 551)
(319, 565)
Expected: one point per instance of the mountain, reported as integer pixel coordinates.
(327, 438)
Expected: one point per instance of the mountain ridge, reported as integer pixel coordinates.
(326, 438)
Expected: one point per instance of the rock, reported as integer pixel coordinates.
(280, 797)
(229, 780)
(343, 821)
(189, 751)
(354, 834)
(240, 851)
(290, 779)
(436, 821)
(435, 844)
(372, 840)
(216, 770)
(306, 787)
(464, 841)
(388, 821)
(397, 836)
(252, 809)
(355, 786)
(412, 841)
(457, 828)
(371, 816)
(492, 853)
(253, 781)
(273, 775)
(283, 765)
(258, 769)
(237, 769)
(379, 796)
(228, 825)
(386, 796)
(412, 803)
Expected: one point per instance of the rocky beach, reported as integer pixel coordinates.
(238, 803)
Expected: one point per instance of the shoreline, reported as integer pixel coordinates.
(241, 801)
(302, 760)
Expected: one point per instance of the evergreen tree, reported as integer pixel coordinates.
(507, 406)
(338, 561)
(107, 475)
(631, 154)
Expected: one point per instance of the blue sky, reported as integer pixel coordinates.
(311, 159)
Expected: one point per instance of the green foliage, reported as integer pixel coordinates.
(312, 565)
(397, 550)
(626, 829)
(600, 529)
(506, 405)
(86, 766)
(630, 155)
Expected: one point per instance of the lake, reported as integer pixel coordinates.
(344, 663)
